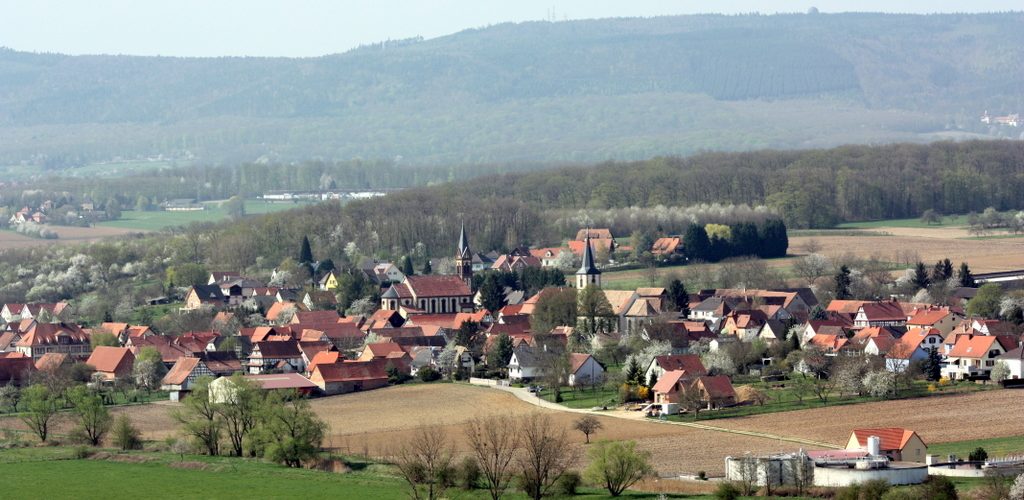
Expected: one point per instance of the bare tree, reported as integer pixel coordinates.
(800, 472)
(823, 388)
(425, 463)
(588, 425)
(494, 441)
(691, 399)
(545, 456)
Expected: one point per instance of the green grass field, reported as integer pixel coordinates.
(784, 399)
(159, 219)
(996, 447)
(948, 221)
(54, 472)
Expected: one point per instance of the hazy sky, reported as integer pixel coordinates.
(317, 27)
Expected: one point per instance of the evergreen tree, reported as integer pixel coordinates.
(634, 375)
(427, 269)
(843, 283)
(774, 239)
(306, 252)
(406, 266)
(653, 379)
(942, 271)
(965, 276)
(921, 279)
(933, 365)
(492, 294)
(794, 341)
(678, 298)
(745, 240)
(501, 353)
(696, 243)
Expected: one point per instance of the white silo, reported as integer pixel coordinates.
(874, 446)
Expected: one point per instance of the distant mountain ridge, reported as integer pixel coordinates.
(538, 91)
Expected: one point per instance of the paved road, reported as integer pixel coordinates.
(525, 395)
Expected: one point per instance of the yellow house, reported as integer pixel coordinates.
(901, 445)
(329, 282)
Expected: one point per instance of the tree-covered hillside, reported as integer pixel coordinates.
(568, 91)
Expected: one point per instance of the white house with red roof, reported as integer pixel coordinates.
(689, 364)
(975, 355)
(882, 313)
(584, 370)
(942, 319)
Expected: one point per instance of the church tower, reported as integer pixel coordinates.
(464, 258)
(588, 274)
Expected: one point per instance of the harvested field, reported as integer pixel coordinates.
(937, 419)
(931, 244)
(66, 235)
(375, 422)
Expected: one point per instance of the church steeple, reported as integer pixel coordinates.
(588, 273)
(464, 258)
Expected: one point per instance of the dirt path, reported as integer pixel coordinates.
(526, 396)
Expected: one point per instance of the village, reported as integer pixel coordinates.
(657, 353)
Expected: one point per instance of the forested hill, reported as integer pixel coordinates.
(539, 91)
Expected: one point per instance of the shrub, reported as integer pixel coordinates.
(126, 436)
(727, 491)
(938, 488)
(558, 397)
(568, 483)
(469, 473)
(978, 455)
(82, 452)
(703, 476)
(428, 374)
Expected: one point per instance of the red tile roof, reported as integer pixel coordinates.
(48, 333)
(436, 286)
(108, 359)
(717, 387)
(15, 368)
(892, 438)
(576, 361)
(309, 317)
(688, 363)
(281, 381)
(180, 371)
(973, 346)
(51, 361)
(353, 371)
(668, 380)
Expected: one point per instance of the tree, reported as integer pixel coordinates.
(469, 335)
(40, 406)
(842, 282)
(235, 207)
(1000, 372)
(978, 455)
(555, 307)
(595, 313)
(931, 216)
(501, 352)
(492, 294)
(965, 277)
(545, 454)
(920, 279)
(289, 430)
(427, 268)
(199, 417)
(494, 441)
(696, 243)
(1017, 490)
(101, 338)
(932, 365)
(633, 371)
(425, 462)
(942, 271)
(588, 425)
(691, 399)
(92, 417)
(986, 302)
(617, 465)
(240, 412)
(678, 298)
(125, 435)
(149, 368)
(10, 396)
(406, 266)
(305, 252)
(811, 267)
(112, 208)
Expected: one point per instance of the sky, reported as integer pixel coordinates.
(305, 28)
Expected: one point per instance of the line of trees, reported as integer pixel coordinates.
(249, 421)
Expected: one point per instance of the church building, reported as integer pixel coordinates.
(435, 294)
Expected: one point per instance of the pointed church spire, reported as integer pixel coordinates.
(588, 266)
(463, 242)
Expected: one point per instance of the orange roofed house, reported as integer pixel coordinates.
(901, 445)
(348, 376)
(114, 363)
(41, 338)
